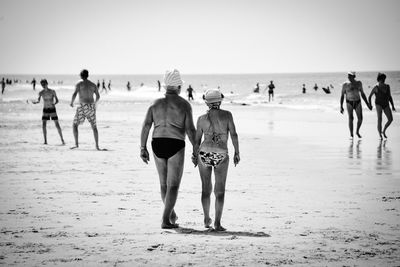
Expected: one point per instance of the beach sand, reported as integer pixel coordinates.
(303, 193)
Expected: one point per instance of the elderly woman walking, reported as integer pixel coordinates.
(212, 153)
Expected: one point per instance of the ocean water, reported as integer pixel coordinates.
(237, 88)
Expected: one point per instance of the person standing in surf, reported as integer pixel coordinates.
(87, 108)
(172, 119)
(212, 154)
(190, 93)
(50, 101)
(352, 89)
(382, 99)
(271, 88)
(3, 86)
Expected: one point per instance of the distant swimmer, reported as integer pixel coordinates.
(304, 89)
(315, 87)
(33, 82)
(352, 89)
(326, 89)
(3, 86)
(159, 85)
(271, 88)
(257, 88)
(211, 154)
(98, 84)
(128, 86)
(172, 119)
(382, 99)
(50, 101)
(109, 85)
(87, 106)
(190, 93)
(103, 87)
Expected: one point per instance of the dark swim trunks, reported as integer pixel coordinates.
(354, 103)
(49, 113)
(166, 147)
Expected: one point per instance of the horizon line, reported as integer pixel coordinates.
(199, 73)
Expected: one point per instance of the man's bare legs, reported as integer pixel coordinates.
(76, 134)
(389, 116)
(379, 114)
(59, 131)
(205, 175)
(221, 173)
(75, 131)
(44, 128)
(359, 119)
(96, 136)
(351, 118)
(170, 172)
(161, 165)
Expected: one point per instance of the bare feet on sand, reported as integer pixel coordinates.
(173, 218)
(219, 228)
(207, 222)
(169, 225)
(359, 135)
(74, 147)
(384, 135)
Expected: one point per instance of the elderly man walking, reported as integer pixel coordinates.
(172, 119)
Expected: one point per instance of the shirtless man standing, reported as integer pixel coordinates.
(50, 101)
(352, 89)
(87, 108)
(172, 118)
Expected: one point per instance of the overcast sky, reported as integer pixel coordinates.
(205, 36)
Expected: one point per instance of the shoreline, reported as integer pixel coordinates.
(303, 194)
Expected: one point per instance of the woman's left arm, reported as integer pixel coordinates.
(235, 139)
(391, 99)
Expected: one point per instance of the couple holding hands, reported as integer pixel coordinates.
(172, 119)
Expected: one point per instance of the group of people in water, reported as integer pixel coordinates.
(171, 118)
(270, 89)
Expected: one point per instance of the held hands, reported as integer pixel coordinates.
(72, 105)
(236, 158)
(341, 110)
(144, 155)
(194, 159)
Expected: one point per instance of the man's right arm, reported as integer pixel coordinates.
(148, 121)
(74, 95)
(38, 100)
(342, 99)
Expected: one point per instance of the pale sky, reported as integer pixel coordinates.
(205, 36)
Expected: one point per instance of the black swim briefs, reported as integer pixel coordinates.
(166, 147)
(354, 103)
(49, 113)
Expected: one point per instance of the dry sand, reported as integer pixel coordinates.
(303, 194)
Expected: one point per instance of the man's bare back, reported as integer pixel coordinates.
(170, 115)
(86, 89)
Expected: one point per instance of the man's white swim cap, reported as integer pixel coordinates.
(172, 78)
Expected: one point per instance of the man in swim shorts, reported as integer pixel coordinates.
(50, 101)
(87, 108)
(352, 89)
(172, 119)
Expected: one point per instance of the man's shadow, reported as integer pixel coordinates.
(211, 231)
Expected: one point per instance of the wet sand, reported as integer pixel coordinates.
(303, 194)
